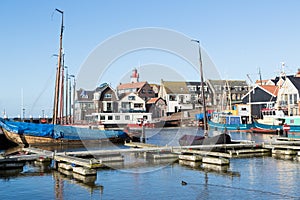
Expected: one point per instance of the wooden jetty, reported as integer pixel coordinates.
(85, 162)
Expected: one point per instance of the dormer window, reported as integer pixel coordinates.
(107, 96)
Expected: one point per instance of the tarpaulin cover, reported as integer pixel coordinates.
(58, 131)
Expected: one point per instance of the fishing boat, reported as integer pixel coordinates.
(225, 121)
(24, 133)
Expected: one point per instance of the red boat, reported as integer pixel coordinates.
(261, 130)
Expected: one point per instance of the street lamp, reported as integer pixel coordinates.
(73, 105)
(202, 90)
(66, 93)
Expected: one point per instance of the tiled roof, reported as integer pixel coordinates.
(273, 89)
(131, 85)
(152, 100)
(176, 87)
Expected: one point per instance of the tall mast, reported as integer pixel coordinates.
(58, 74)
(202, 91)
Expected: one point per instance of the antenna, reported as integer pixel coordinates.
(259, 72)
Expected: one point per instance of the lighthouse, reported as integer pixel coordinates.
(134, 78)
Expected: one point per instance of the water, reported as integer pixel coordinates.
(247, 178)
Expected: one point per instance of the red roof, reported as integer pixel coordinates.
(152, 100)
(273, 89)
(131, 85)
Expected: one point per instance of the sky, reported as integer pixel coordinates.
(239, 37)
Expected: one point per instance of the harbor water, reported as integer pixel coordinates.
(246, 178)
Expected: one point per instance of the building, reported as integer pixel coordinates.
(177, 96)
(105, 99)
(288, 94)
(157, 106)
(84, 105)
(131, 102)
(142, 89)
(260, 97)
(226, 93)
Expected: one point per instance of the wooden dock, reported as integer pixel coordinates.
(93, 159)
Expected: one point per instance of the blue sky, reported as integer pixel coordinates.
(239, 36)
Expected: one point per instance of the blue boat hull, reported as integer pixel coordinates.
(229, 127)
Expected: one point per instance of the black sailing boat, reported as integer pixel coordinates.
(219, 138)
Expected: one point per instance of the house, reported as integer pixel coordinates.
(259, 97)
(195, 89)
(155, 88)
(84, 104)
(226, 93)
(177, 96)
(157, 106)
(131, 102)
(142, 89)
(288, 94)
(105, 99)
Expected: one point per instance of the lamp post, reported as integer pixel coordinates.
(66, 95)
(202, 90)
(73, 104)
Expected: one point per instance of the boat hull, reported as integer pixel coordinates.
(26, 140)
(265, 131)
(189, 140)
(229, 127)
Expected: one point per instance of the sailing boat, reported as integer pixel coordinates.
(218, 138)
(23, 133)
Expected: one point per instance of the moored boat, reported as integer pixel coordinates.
(23, 133)
(189, 140)
(266, 131)
(224, 121)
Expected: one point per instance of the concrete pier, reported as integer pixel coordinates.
(215, 161)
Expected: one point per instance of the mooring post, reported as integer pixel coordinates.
(143, 134)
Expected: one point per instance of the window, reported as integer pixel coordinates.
(108, 96)
(295, 99)
(181, 97)
(131, 98)
(127, 117)
(138, 105)
(125, 105)
(102, 117)
(291, 98)
(117, 117)
(172, 97)
(109, 117)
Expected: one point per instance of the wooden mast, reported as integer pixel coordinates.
(58, 72)
(202, 92)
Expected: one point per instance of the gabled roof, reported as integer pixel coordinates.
(296, 81)
(152, 100)
(272, 89)
(137, 85)
(84, 95)
(130, 94)
(176, 87)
